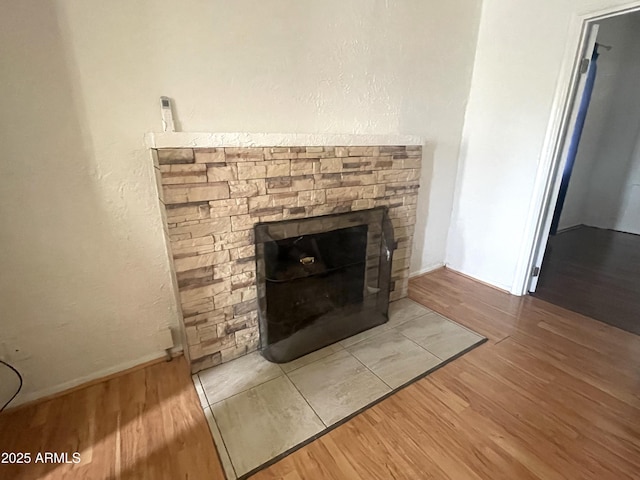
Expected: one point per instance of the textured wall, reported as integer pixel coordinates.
(363, 66)
(214, 197)
(83, 250)
(85, 282)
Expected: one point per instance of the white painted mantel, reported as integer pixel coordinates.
(219, 140)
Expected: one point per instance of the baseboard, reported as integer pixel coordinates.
(568, 229)
(621, 231)
(89, 380)
(584, 225)
(428, 269)
(486, 284)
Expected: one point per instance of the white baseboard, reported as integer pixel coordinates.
(46, 392)
(496, 286)
(428, 269)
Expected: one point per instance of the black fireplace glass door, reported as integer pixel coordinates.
(321, 280)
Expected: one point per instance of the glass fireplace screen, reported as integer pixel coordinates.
(321, 279)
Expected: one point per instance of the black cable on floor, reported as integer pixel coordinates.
(19, 386)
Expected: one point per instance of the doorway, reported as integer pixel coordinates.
(590, 260)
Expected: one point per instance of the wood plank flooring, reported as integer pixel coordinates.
(552, 395)
(595, 272)
(147, 424)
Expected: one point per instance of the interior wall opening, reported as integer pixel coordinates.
(591, 262)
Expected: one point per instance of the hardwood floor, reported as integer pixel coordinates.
(552, 395)
(147, 424)
(595, 272)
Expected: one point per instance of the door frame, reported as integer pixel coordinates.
(549, 175)
(588, 46)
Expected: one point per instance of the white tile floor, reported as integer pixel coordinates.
(258, 410)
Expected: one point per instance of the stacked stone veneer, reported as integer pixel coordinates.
(213, 197)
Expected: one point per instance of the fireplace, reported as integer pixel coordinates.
(321, 280)
(213, 195)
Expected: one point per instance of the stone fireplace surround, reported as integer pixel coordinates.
(212, 195)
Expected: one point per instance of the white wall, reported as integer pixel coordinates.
(337, 67)
(601, 191)
(84, 285)
(629, 212)
(516, 78)
(9, 384)
(85, 282)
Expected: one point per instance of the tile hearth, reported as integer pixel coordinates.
(258, 410)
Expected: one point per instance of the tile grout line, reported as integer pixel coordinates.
(410, 339)
(346, 349)
(282, 372)
(480, 337)
(396, 329)
(367, 338)
(462, 326)
(305, 398)
(224, 445)
(459, 325)
(204, 392)
(416, 343)
(374, 374)
(388, 328)
(247, 389)
(210, 406)
(317, 359)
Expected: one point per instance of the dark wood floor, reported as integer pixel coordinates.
(595, 272)
(552, 395)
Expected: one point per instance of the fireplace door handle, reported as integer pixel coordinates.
(307, 260)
